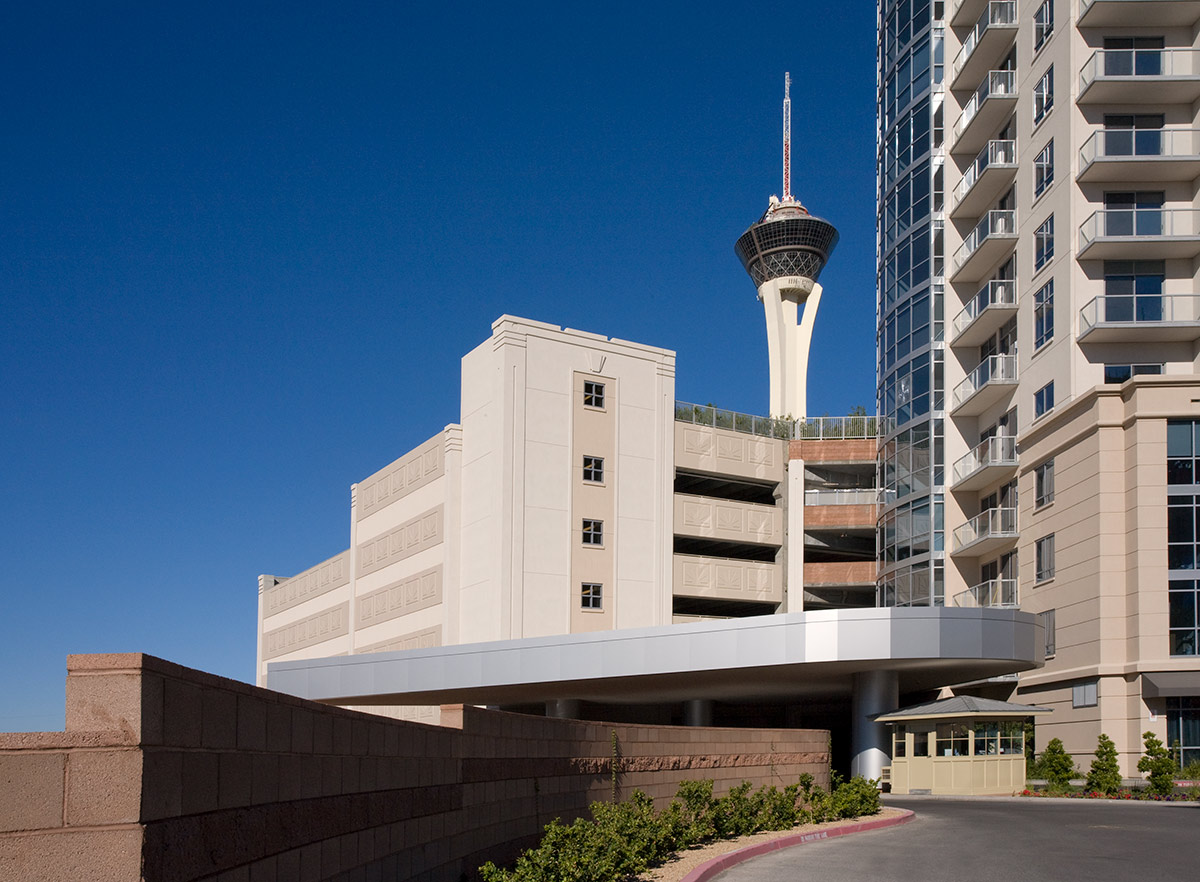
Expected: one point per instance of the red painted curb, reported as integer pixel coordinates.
(723, 862)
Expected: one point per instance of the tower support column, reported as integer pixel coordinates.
(875, 692)
(788, 342)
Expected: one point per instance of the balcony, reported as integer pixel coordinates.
(995, 304)
(864, 496)
(993, 380)
(1138, 13)
(993, 33)
(965, 13)
(993, 460)
(993, 237)
(1140, 234)
(991, 104)
(1140, 318)
(1140, 76)
(985, 179)
(1137, 155)
(996, 593)
(986, 533)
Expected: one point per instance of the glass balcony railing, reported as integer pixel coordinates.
(1139, 309)
(998, 13)
(995, 523)
(863, 496)
(997, 83)
(1139, 63)
(996, 153)
(1133, 223)
(994, 593)
(995, 223)
(1119, 144)
(999, 451)
(998, 292)
(993, 369)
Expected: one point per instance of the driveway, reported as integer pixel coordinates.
(1026, 840)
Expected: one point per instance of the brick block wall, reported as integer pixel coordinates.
(172, 775)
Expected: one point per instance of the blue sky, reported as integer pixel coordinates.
(246, 244)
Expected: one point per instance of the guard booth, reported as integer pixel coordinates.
(960, 745)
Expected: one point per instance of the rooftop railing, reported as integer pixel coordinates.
(808, 429)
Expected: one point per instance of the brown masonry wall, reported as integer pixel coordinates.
(169, 774)
(838, 450)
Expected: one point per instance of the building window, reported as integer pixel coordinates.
(1043, 315)
(899, 743)
(593, 532)
(1043, 243)
(953, 739)
(1043, 24)
(1084, 694)
(1043, 169)
(593, 469)
(1044, 567)
(1048, 626)
(1183, 448)
(1119, 373)
(1043, 95)
(1133, 289)
(591, 595)
(1181, 605)
(1044, 490)
(1183, 727)
(593, 394)
(1043, 400)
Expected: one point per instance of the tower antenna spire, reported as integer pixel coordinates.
(787, 137)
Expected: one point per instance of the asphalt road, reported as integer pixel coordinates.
(1027, 840)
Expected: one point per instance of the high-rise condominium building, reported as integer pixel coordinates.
(1039, 342)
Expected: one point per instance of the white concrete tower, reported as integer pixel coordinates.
(784, 253)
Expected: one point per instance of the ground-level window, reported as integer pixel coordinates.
(1183, 727)
(999, 738)
(953, 739)
(898, 744)
(591, 595)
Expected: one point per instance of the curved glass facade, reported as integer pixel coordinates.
(909, 287)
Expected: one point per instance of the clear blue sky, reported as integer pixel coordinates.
(244, 246)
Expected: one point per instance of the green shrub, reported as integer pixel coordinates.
(1159, 764)
(1105, 773)
(1056, 765)
(1190, 772)
(855, 798)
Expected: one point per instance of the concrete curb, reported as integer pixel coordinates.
(719, 864)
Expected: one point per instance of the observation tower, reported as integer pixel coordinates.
(784, 253)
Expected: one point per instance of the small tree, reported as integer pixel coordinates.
(1105, 773)
(1056, 764)
(1157, 762)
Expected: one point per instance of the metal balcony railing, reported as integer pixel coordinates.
(998, 292)
(996, 153)
(1107, 63)
(994, 593)
(998, 12)
(1147, 309)
(809, 429)
(836, 428)
(1139, 222)
(995, 84)
(993, 369)
(1000, 450)
(996, 222)
(865, 496)
(1130, 143)
(995, 523)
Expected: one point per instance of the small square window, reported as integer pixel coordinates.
(593, 394)
(593, 532)
(1043, 400)
(593, 469)
(1044, 475)
(1044, 549)
(591, 595)
(1043, 243)
(1084, 694)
